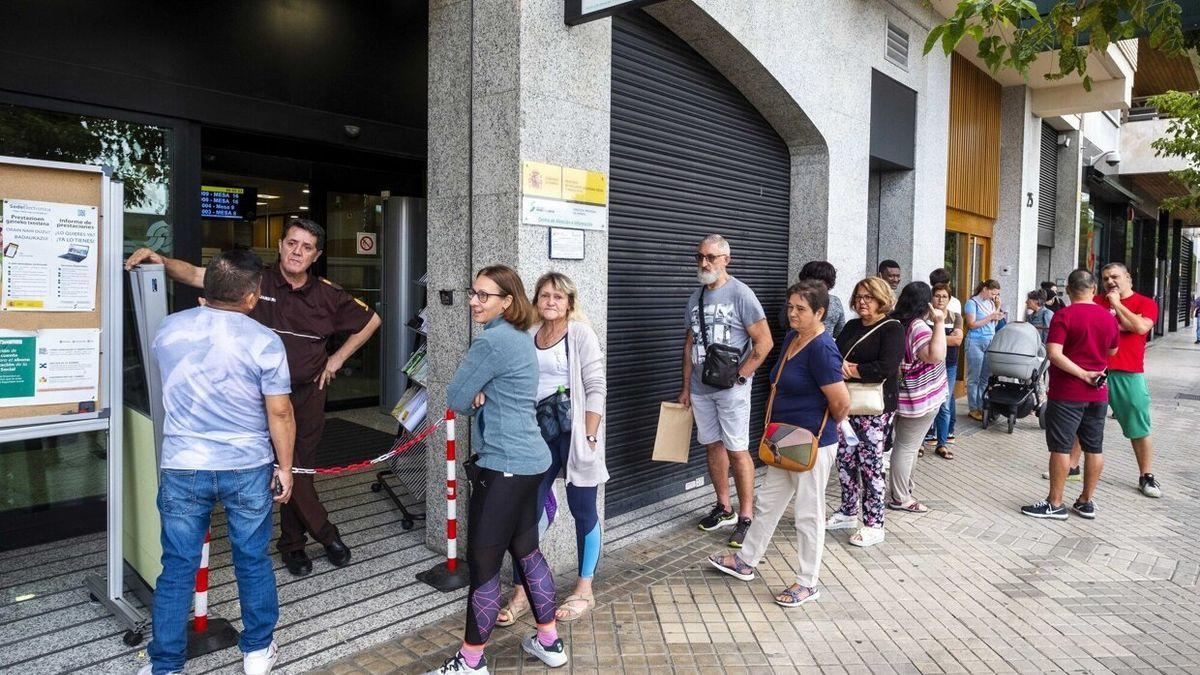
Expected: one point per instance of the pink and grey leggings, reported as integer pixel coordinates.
(503, 516)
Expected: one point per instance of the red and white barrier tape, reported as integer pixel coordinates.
(397, 448)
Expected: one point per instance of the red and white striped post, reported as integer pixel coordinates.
(207, 636)
(451, 497)
(449, 576)
(201, 613)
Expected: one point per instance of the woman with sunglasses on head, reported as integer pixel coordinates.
(571, 389)
(497, 384)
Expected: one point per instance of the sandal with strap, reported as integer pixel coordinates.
(796, 595)
(568, 614)
(867, 536)
(912, 507)
(736, 569)
(510, 612)
(944, 452)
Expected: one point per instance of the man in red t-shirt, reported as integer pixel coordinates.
(1127, 391)
(1081, 339)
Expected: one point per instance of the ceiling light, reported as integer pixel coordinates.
(293, 216)
(263, 195)
(261, 203)
(303, 208)
(305, 190)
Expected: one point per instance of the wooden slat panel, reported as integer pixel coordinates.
(973, 174)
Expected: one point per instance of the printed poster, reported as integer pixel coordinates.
(49, 256)
(52, 365)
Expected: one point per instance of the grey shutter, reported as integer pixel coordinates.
(690, 156)
(1047, 185)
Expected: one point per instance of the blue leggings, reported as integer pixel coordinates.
(582, 502)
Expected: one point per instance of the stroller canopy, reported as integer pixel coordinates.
(1017, 352)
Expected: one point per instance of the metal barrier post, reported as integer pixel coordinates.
(450, 575)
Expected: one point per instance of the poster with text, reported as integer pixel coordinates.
(50, 253)
(59, 365)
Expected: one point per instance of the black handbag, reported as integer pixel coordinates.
(554, 411)
(721, 362)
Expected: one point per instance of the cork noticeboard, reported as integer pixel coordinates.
(63, 186)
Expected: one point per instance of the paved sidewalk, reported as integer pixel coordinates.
(972, 586)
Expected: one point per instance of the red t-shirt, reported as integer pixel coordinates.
(1087, 332)
(1131, 356)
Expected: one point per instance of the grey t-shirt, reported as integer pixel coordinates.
(728, 311)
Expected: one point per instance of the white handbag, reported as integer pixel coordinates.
(866, 398)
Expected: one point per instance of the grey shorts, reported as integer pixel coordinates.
(1068, 420)
(724, 416)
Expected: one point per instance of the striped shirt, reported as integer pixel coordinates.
(922, 385)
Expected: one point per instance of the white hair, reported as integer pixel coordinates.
(716, 240)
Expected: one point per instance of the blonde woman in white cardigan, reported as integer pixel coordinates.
(570, 365)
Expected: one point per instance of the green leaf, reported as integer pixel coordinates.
(933, 37)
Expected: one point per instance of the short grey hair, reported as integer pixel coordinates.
(717, 240)
(1111, 265)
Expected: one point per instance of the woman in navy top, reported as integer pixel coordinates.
(809, 386)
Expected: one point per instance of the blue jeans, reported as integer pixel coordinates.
(977, 371)
(185, 502)
(945, 417)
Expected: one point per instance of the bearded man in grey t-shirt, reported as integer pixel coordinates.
(732, 316)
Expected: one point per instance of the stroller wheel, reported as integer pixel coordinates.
(1011, 423)
(987, 417)
(1041, 415)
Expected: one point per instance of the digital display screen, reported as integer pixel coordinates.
(228, 203)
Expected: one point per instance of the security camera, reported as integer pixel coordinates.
(1113, 158)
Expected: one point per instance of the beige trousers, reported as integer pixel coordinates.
(771, 501)
(910, 433)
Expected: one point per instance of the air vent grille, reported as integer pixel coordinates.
(897, 46)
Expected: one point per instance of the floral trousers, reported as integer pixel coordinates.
(860, 466)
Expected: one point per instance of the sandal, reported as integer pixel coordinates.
(796, 595)
(921, 451)
(510, 612)
(912, 507)
(867, 536)
(944, 452)
(571, 614)
(736, 569)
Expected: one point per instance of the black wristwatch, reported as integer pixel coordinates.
(591, 439)
(741, 379)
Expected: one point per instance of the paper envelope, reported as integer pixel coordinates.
(674, 437)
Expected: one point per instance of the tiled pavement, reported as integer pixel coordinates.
(972, 586)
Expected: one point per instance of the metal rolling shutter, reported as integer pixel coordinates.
(1183, 286)
(1047, 185)
(690, 156)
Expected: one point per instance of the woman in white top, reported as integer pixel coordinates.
(571, 374)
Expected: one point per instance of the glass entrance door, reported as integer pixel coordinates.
(354, 223)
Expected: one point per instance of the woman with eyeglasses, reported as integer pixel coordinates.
(571, 389)
(497, 384)
(872, 347)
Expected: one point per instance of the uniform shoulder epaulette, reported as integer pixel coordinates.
(335, 286)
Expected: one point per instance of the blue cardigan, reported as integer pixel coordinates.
(503, 365)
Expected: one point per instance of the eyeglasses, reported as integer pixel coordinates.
(710, 257)
(483, 296)
(862, 298)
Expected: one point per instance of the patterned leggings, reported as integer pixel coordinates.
(863, 464)
(504, 519)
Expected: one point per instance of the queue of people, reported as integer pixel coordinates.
(863, 395)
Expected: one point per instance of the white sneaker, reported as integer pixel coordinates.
(261, 661)
(458, 664)
(554, 656)
(148, 669)
(868, 536)
(840, 521)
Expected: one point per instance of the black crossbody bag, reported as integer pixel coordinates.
(554, 411)
(721, 362)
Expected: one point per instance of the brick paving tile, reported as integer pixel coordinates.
(970, 587)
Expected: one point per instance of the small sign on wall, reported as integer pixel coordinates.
(566, 244)
(364, 243)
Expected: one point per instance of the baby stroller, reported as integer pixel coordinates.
(1016, 362)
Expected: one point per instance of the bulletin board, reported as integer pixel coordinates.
(63, 184)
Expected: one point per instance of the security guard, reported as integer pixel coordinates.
(305, 311)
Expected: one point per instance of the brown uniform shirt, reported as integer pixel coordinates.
(306, 317)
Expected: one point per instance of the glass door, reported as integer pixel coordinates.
(353, 261)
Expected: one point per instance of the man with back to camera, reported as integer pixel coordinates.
(225, 390)
(1127, 391)
(305, 311)
(1052, 301)
(731, 316)
(1082, 338)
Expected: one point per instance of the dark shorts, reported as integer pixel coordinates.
(1066, 420)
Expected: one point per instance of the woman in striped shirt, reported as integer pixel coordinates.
(922, 389)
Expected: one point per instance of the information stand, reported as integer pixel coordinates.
(82, 209)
